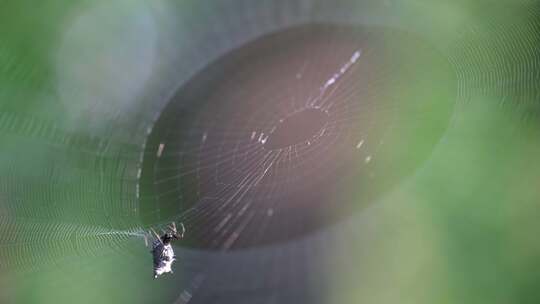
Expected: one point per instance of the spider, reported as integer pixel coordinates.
(162, 252)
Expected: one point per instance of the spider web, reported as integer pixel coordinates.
(209, 162)
(78, 200)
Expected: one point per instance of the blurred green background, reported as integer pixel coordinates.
(81, 83)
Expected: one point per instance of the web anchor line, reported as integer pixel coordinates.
(333, 82)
